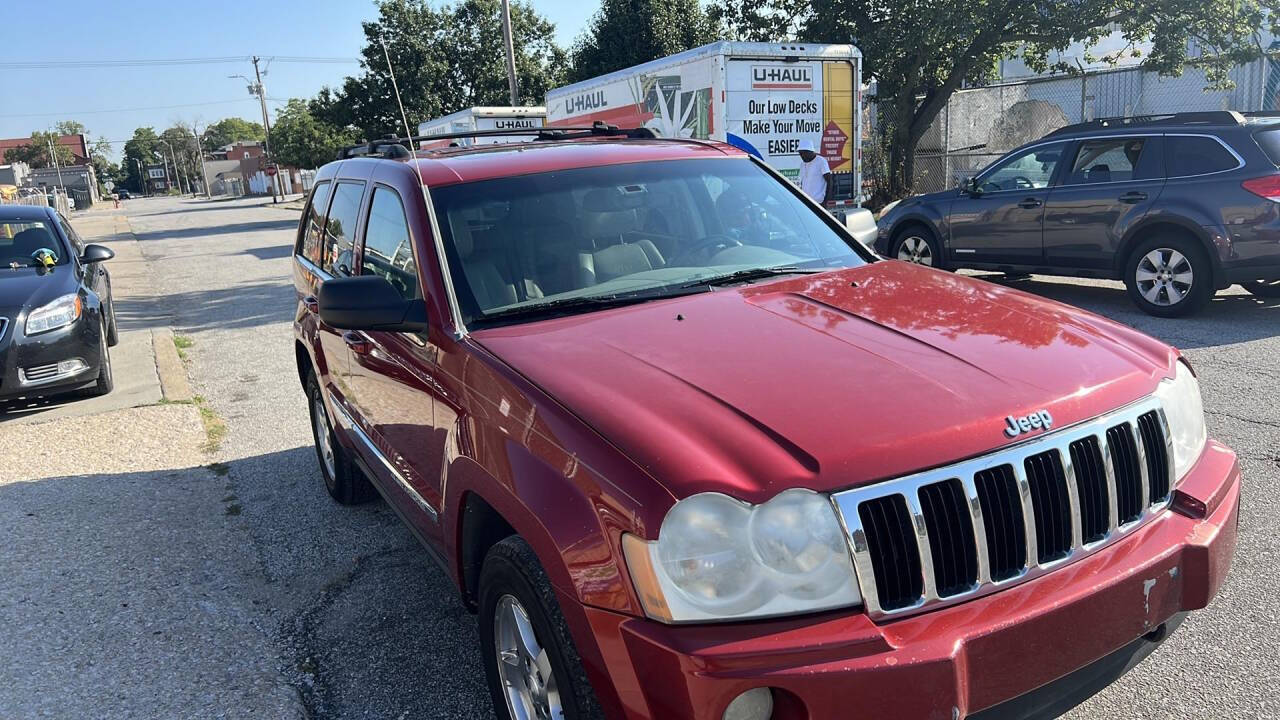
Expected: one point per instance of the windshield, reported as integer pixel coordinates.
(29, 243)
(639, 231)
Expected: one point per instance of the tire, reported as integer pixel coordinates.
(917, 244)
(113, 335)
(345, 483)
(106, 380)
(1169, 276)
(513, 585)
(1267, 289)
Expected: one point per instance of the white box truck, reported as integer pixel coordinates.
(482, 118)
(761, 97)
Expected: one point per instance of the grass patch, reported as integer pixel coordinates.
(182, 343)
(215, 428)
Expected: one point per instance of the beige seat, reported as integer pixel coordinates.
(609, 227)
(480, 248)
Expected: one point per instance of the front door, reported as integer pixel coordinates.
(392, 384)
(1001, 221)
(1109, 186)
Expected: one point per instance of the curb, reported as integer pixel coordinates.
(174, 385)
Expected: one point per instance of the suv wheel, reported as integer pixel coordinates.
(1263, 288)
(344, 482)
(532, 665)
(916, 244)
(1169, 276)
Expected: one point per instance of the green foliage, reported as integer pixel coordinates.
(299, 139)
(628, 32)
(36, 153)
(920, 53)
(143, 147)
(70, 127)
(446, 58)
(231, 130)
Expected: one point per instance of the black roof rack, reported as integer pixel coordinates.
(397, 148)
(1213, 117)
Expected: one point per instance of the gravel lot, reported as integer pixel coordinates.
(293, 606)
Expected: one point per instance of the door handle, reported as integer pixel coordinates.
(1029, 203)
(311, 304)
(1133, 197)
(358, 343)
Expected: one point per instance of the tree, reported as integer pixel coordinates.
(920, 53)
(445, 59)
(186, 155)
(142, 149)
(36, 152)
(628, 32)
(299, 139)
(70, 127)
(231, 130)
(103, 168)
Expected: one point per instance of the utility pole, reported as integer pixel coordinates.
(204, 172)
(53, 157)
(511, 53)
(266, 123)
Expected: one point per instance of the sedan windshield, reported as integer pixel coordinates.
(588, 238)
(29, 243)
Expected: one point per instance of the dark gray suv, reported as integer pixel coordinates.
(1178, 206)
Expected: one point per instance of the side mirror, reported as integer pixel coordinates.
(971, 186)
(96, 254)
(369, 302)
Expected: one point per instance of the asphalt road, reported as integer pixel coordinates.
(362, 625)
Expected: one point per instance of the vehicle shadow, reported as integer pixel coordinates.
(286, 222)
(242, 573)
(239, 306)
(1233, 316)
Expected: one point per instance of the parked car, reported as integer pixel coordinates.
(1177, 206)
(690, 451)
(123, 194)
(56, 314)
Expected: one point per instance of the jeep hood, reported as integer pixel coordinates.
(828, 381)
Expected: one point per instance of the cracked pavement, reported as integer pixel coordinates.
(335, 612)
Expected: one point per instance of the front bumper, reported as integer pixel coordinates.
(20, 354)
(1073, 627)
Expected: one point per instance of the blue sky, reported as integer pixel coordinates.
(34, 99)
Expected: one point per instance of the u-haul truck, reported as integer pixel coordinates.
(482, 118)
(761, 97)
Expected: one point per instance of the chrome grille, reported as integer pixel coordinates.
(36, 373)
(962, 531)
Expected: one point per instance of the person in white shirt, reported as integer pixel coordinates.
(815, 173)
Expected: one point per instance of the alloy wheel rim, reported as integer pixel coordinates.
(916, 250)
(324, 439)
(524, 667)
(1164, 277)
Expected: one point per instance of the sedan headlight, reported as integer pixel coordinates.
(1180, 396)
(717, 558)
(63, 311)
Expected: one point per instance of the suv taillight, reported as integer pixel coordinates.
(1267, 186)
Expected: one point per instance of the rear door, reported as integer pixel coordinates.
(1004, 221)
(1109, 185)
(336, 251)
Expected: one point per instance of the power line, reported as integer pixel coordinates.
(153, 62)
(132, 109)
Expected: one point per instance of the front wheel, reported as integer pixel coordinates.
(532, 665)
(1263, 288)
(1169, 276)
(915, 244)
(344, 482)
(106, 381)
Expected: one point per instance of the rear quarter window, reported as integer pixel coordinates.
(310, 245)
(1269, 141)
(1187, 155)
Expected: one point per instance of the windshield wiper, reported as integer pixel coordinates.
(588, 302)
(751, 274)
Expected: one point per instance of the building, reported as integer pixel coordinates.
(158, 179)
(78, 144)
(14, 174)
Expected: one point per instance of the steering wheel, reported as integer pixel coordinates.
(1021, 182)
(709, 245)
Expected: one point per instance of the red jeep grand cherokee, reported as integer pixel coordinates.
(691, 452)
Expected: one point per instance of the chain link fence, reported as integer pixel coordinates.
(978, 125)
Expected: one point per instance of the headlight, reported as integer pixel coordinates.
(717, 558)
(63, 311)
(1180, 397)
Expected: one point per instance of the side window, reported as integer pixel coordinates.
(387, 248)
(340, 229)
(1196, 155)
(1028, 170)
(310, 246)
(77, 243)
(1107, 160)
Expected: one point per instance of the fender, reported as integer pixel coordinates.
(1211, 235)
(931, 213)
